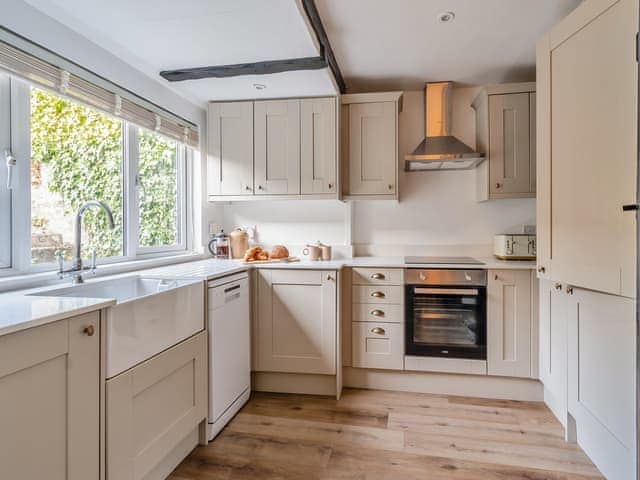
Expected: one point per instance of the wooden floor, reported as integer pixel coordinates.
(371, 434)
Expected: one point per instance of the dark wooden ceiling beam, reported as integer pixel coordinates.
(255, 68)
(326, 50)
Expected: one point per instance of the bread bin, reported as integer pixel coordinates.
(239, 240)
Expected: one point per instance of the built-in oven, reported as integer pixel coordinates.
(446, 313)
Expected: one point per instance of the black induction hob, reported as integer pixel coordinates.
(441, 261)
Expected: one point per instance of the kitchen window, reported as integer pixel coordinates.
(68, 153)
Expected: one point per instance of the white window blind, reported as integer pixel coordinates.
(44, 74)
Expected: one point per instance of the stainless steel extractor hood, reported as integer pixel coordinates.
(440, 150)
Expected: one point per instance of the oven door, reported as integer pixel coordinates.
(446, 321)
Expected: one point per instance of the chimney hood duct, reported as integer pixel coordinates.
(440, 150)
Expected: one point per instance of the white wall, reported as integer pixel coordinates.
(437, 212)
(19, 17)
(437, 209)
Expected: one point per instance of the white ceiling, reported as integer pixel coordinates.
(155, 35)
(400, 44)
(379, 45)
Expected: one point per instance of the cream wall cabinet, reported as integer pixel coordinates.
(601, 379)
(369, 144)
(318, 146)
(291, 145)
(50, 397)
(277, 147)
(230, 148)
(587, 148)
(152, 407)
(505, 130)
(553, 347)
(295, 322)
(509, 323)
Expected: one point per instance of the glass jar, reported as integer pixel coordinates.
(219, 246)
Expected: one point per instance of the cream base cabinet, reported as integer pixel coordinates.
(602, 379)
(318, 147)
(295, 322)
(277, 147)
(230, 149)
(50, 398)
(587, 148)
(509, 323)
(369, 144)
(153, 407)
(553, 347)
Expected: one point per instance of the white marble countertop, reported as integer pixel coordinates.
(19, 311)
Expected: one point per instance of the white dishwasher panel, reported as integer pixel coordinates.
(229, 349)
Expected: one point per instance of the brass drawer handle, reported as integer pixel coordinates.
(378, 330)
(377, 313)
(90, 330)
(377, 276)
(378, 295)
(541, 269)
(569, 290)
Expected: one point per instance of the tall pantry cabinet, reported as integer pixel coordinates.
(587, 154)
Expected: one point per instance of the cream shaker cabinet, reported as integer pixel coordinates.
(295, 322)
(277, 147)
(50, 397)
(230, 148)
(369, 144)
(318, 146)
(587, 148)
(601, 335)
(509, 322)
(152, 407)
(553, 347)
(505, 129)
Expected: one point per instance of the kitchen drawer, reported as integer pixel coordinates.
(377, 294)
(377, 345)
(375, 312)
(376, 276)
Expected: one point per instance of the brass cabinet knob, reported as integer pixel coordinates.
(390, 186)
(377, 295)
(541, 269)
(498, 185)
(329, 277)
(377, 313)
(495, 277)
(89, 330)
(260, 187)
(377, 276)
(558, 286)
(569, 290)
(378, 330)
(247, 188)
(330, 186)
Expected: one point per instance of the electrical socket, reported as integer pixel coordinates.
(529, 229)
(213, 228)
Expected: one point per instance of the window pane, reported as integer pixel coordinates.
(158, 190)
(5, 193)
(76, 156)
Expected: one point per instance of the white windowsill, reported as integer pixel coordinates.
(32, 280)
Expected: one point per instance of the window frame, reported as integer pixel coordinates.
(20, 231)
(6, 240)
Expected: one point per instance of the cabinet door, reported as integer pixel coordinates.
(372, 148)
(277, 147)
(50, 397)
(553, 347)
(602, 379)
(509, 323)
(318, 153)
(296, 321)
(230, 152)
(509, 151)
(591, 88)
(154, 406)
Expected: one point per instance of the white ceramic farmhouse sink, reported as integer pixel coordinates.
(150, 315)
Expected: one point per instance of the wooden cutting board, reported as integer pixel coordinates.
(275, 260)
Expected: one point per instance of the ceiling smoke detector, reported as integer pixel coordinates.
(446, 17)
(259, 86)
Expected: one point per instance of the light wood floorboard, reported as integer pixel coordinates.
(381, 435)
